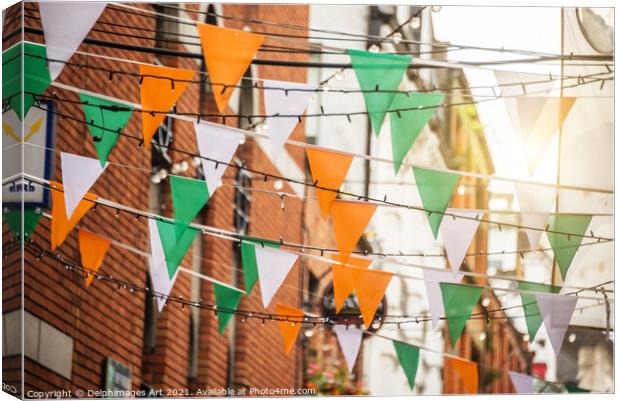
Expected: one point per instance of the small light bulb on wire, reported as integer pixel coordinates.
(397, 38)
(482, 336)
(435, 9)
(572, 337)
(339, 75)
(374, 49)
(415, 23)
(278, 185)
(325, 88)
(485, 302)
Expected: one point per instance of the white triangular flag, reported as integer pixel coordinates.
(457, 234)
(158, 269)
(524, 384)
(284, 102)
(556, 311)
(79, 173)
(535, 203)
(350, 340)
(65, 25)
(432, 278)
(273, 266)
(218, 143)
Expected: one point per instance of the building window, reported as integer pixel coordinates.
(242, 201)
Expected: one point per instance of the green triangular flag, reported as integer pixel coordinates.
(112, 120)
(188, 197)
(225, 298)
(174, 251)
(435, 189)
(571, 388)
(248, 260)
(408, 356)
(14, 221)
(533, 318)
(565, 247)
(36, 75)
(406, 127)
(378, 70)
(458, 301)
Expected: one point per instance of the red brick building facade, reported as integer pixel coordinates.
(179, 348)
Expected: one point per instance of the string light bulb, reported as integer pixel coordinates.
(415, 23)
(397, 38)
(374, 49)
(482, 336)
(339, 76)
(435, 9)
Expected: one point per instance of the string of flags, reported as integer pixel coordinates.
(273, 265)
(218, 233)
(290, 321)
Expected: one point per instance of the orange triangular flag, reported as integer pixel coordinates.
(468, 372)
(159, 94)
(370, 286)
(343, 279)
(350, 220)
(92, 250)
(289, 330)
(61, 226)
(227, 53)
(328, 171)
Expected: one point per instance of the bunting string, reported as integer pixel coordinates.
(305, 145)
(308, 320)
(236, 237)
(39, 252)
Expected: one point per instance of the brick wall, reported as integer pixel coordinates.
(105, 321)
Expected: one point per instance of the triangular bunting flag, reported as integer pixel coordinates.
(524, 384)
(536, 138)
(13, 218)
(432, 278)
(328, 171)
(535, 203)
(407, 124)
(468, 372)
(408, 356)
(343, 279)
(61, 225)
(458, 300)
(112, 116)
(217, 144)
(457, 234)
(188, 197)
(228, 53)
(556, 311)
(574, 389)
(65, 26)
(378, 71)
(227, 299)
(289, 329)
(174, 249)
(79, 173)
(273, 266)
(435, 189)
(566, 246)
(350, 339)
(92, 250)
(533, 317)
(370, 286)
(161, 283)
(287, 102)
(250, 266)
(161, 88)
(36, 77)
(350, 219)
